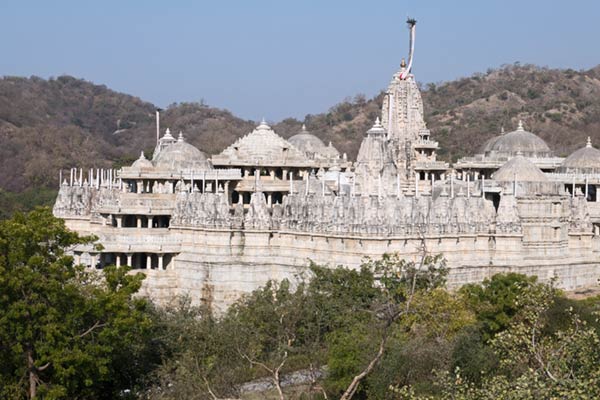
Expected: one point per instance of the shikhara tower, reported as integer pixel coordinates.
(402, 118)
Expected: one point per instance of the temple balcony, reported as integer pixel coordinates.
(224, 174)
(139, 203)
(431, 166)
(480, 161)
(426, 144)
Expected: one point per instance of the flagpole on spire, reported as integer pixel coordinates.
(411, 26)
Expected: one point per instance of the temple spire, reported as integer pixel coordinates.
(589, 142)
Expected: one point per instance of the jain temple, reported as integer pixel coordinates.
(215, 227)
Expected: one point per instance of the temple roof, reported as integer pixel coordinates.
(312, 145)
(180, 156)
(262, 147)
(586, 158)
(516, 141)
(521, 169)
(142, 162)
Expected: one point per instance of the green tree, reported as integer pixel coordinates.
(65, 331)
(387, 298)
(561, 365)
(494, 301)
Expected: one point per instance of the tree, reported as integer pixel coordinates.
(65, 331)
(494, 301)
(561, 365)
(387, 296)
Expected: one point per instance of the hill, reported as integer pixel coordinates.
(58, 123)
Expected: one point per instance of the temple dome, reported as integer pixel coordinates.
(262, 146)
(142, 162)
(586, 159)
(521, 169)
(331, 152)
(181, 155)
(312, 145)
(520, 140)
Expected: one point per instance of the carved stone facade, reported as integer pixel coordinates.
(216, 227)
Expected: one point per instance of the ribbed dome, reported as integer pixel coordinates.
(586, 159)
(262, 146)
(142, 162)
(513, 142)
(521, 169)
(181, 155)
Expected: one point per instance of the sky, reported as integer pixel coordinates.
(282, 58)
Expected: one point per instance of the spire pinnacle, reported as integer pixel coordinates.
(589, 142)
(520, 127)
(303, 128)
(180, 137)
(263, 125)
(142, 156)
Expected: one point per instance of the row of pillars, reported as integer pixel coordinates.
(156, 221)
(161, 264)
(97, 178)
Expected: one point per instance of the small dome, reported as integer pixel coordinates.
(513, 142)
(586, 159)
(312, 145)
(521, 169)
(142, 162)
(331, 152)
(181, 155)
(307, 142)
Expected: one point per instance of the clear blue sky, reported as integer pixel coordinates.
(284, 58)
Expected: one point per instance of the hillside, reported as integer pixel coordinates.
(58, 123)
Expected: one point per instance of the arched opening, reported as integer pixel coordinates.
(246, 197)
(277, 198)
(279, 173)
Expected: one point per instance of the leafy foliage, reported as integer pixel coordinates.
(65, 332)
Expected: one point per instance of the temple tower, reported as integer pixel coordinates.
(402, 117)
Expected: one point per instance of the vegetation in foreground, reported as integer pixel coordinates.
(389, 330)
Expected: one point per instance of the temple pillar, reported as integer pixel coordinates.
(148, 261)
(139, 186)
(93, 257)
(285, 172)
(150, 221)
(160, 261)
(272, 174)
(269, 199)
(118, 260)
(139, 221)
(129, 259)
(119, 219)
